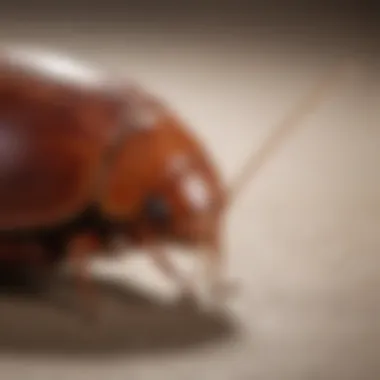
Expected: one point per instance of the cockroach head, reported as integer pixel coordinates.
(192, 201)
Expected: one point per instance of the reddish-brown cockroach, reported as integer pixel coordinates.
(84, 159)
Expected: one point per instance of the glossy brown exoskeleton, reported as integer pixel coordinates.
(84, 159)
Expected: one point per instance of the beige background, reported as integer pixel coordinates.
(303, 239)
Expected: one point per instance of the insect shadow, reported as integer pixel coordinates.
(32, 323)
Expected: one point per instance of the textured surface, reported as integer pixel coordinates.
(303, 239)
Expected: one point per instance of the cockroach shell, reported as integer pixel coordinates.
(54, 132)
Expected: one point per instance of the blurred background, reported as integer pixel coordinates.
(303, 239)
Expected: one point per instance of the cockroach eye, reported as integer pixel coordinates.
(157, 209)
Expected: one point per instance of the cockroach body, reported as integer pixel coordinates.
(84, 159)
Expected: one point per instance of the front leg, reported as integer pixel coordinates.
(80, 249)
(220, 289)
(170, 270)
(160, 258)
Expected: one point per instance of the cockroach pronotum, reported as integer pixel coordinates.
(85, 158)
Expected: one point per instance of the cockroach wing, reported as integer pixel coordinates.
(53, 136)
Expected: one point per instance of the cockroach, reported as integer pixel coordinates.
(85, 158)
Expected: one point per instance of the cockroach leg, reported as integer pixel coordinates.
(220, 288)
(167, 267)
(164, 264)
(80, 249)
